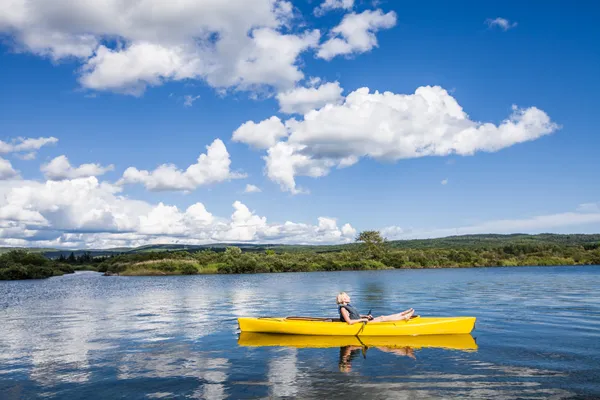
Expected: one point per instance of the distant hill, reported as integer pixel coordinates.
(450, 242)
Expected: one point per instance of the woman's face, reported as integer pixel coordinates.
(347, 299)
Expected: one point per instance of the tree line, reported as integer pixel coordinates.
(371, 251)
(22, 264)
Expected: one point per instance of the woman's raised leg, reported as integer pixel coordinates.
(405, 315)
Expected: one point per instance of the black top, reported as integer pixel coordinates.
(354, 314)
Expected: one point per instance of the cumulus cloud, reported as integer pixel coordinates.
(86, 213)
(6, 170)
(348, 231)
(212, 167)
(128, 46)
(356, 33)
(30, 145)
(79, 204)
(444, 182)
(260, 135)
(60, 168)
(389, 127)
(285, 161)
(329, 5)
(252, 189)
(301, 100)
(501, 23)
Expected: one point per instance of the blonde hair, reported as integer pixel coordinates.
(340, 297)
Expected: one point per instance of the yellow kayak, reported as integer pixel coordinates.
(464, 342)
(330, 327)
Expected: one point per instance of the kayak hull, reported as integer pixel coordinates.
(462, 342)
(321, 327)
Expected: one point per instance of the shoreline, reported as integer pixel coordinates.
(370, 254)
(162, 274)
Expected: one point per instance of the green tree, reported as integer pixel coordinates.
(233, 251)
(374, 243)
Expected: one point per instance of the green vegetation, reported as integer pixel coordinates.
(234, 261)
(370, 252)
(451, 242)
(21, 264)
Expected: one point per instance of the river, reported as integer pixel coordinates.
(85, 336)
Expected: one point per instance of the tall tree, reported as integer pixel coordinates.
(374, 243)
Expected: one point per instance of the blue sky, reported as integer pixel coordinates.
(113, 95)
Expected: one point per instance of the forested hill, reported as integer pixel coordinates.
(493, 240)
(451, 242)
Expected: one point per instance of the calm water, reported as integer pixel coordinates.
(86, 336)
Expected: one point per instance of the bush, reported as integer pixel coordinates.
(40, 272)
(188, 270)
(24, 257)
(65, 268)
(14, 272)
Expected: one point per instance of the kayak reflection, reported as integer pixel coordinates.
(353, 346)
(463, 342)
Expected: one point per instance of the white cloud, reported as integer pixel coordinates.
(444, 182)
(60, 168)
(271, 60)
(348, 231)
(127, 46)
(27, 156)
(26, 144)
(189, 100)
(301, 100)
(392, 232)
(502, 23)
(80, 204)
(589, 208)
(329, 5)
(284, 161)
(356, 33)
(212, 167)
(6, 170)
(83, 213)
(260, 135)
(389, 127)
(86, 213)
(252, 189)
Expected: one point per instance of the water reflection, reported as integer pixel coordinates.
(354, 346)
(464, 342)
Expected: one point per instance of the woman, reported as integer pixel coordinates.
(350, 314)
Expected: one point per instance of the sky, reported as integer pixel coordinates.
(306, 121)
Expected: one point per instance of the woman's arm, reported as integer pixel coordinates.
(346, 316)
